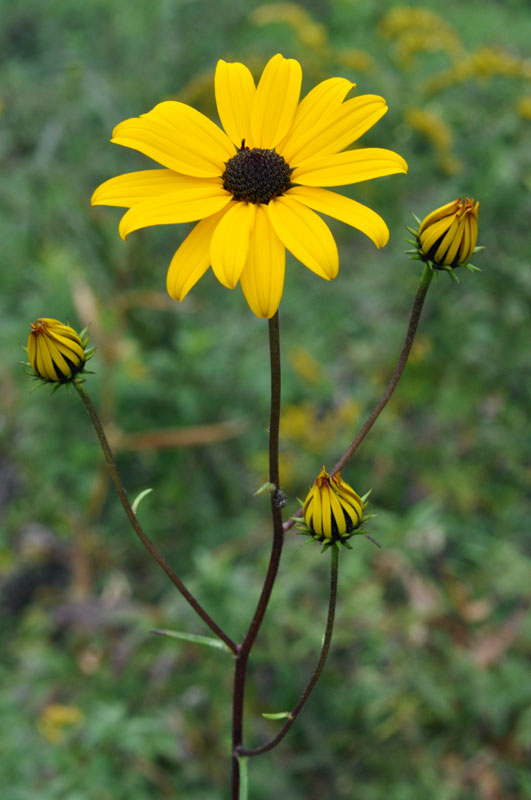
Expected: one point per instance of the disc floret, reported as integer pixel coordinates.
(256, 175)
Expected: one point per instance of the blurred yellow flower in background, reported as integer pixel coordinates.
(55, 718)
(255, 187)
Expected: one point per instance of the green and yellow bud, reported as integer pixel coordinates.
(56, 351)
(332, 511)
(447, 237)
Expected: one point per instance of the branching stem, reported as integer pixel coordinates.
(242, 751)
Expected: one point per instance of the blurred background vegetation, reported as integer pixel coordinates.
(427, 690)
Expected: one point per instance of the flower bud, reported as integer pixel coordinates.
(56, 352)
(332, 510)
(447, 237)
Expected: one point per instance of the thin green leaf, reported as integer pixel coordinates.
(278, 715)
(209, 641)
(138, 499)
(266, 487)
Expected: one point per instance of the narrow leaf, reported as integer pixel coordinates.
(266, 487)
(278, 715)
(209, 641)
(138, 499)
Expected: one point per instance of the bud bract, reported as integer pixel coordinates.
(447, 237)
(56, 351)
(332, 510)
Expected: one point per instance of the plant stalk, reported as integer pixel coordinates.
(242, 657)
(131, 516)
(418, 304)
(334, 566)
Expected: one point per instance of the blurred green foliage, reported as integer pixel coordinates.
(427, 690)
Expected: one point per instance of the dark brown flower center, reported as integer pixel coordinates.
(256, 175)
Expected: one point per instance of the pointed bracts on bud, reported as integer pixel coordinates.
(332, 511)
(56, 352)
(446, 238)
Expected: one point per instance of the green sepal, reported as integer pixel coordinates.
(347, 545)
(365, 497)
(451, 273)
(208, 641)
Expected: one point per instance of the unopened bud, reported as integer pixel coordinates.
(332, 511)
(447, 237)
(56, 351)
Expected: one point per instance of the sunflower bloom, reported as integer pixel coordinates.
(332, 510)
(56, 352)
(255, 186)
(447, 237)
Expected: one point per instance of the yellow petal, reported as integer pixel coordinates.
(235, 91)
(262, 279)
(326, 512)
(192, 259)
(178, 137)
(59, 361)
(351, 166)
(133, 187)
(345, 210)
(340, 128)
(448, 247)
(230, 243)
(337, 514)
(305, 235)
(186, 205)
(45, 365)
(351, 510)
(430, 236)
(32, 350)
(275, 101)
(70, 348)
(321, 100)
(449, 209)
(317, 511)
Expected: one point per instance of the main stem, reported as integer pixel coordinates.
(334, 565)
(131, 516)
(244, 650)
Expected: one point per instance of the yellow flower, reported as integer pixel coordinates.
(332, 510)
(447, 237)
(55, 717)
(56, 352)
(254, 186)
